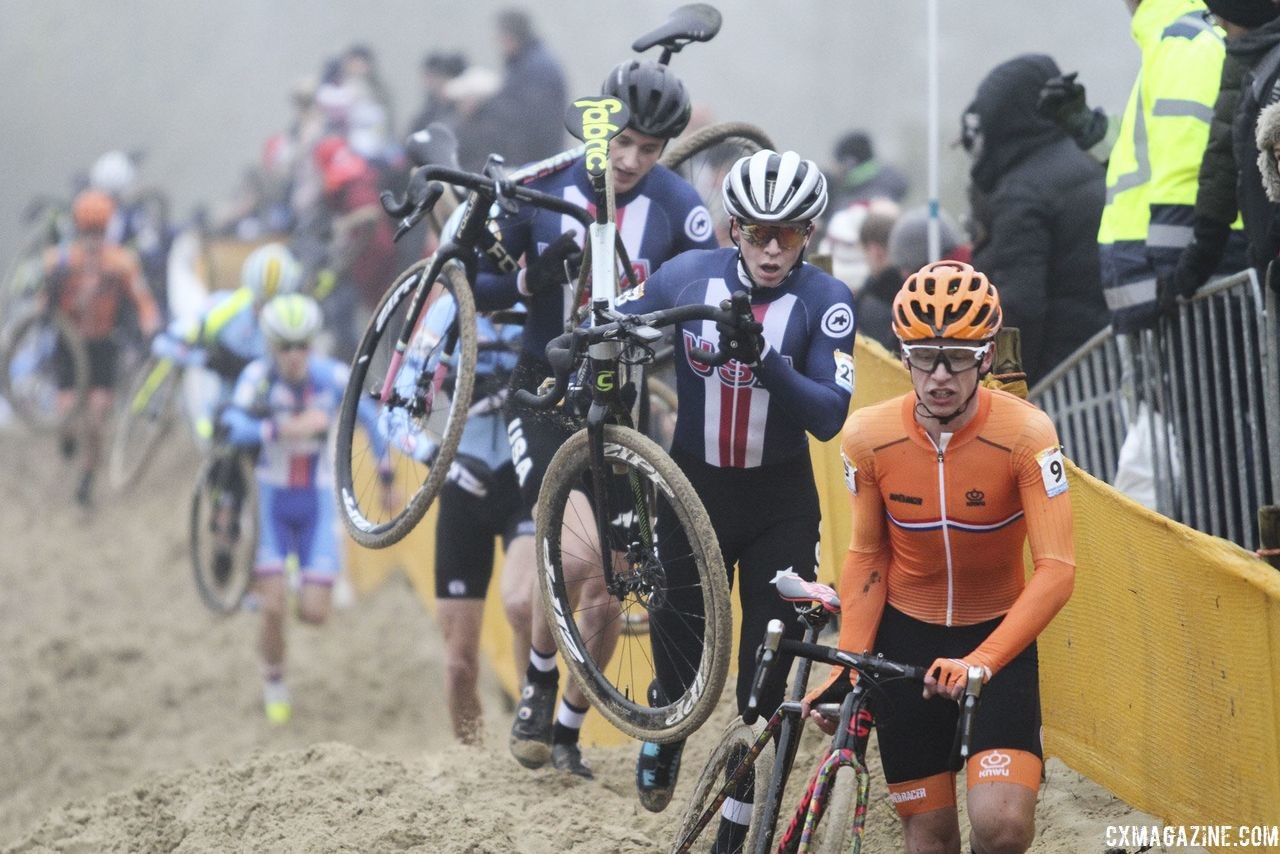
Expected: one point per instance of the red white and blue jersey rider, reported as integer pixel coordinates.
(752, 415)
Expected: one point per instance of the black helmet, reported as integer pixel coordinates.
(657, 99)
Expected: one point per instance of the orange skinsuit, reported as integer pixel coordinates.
(956, 561)
(91, 285)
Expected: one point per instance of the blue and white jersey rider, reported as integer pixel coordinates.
(225, 337)
(294, 475)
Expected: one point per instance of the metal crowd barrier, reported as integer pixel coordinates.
(1206, 382)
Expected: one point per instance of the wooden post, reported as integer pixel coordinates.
(1269, 534)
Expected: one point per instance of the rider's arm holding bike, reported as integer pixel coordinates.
(817, 392)
(135, 288)
(1049, 528)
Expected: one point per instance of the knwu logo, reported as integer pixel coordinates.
(975, 498)
(995, 764)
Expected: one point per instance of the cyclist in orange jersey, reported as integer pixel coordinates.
(88, 280)
(948, 482)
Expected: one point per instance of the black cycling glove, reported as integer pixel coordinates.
(548, 269)
(743, 341)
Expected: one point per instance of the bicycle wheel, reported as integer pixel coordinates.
(706, 155)
(224, 529)
(835, 833)
(643, 485)
(422, 419)
(44, 356)
(145, 416)
(734, 745)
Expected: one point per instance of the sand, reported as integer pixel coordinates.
(130, 716)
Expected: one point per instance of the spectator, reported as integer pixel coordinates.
(860, 177)
(1041, 201)
(1217, 244)
(1152, 168)
(361, 252)
(1268, 140)
(844, 241)
(900, 245)
(437, 70)
(480, 126)
(532, 100)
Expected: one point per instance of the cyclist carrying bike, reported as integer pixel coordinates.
(479, 503)
(948, 482)
(740, 433)
(659, 215)
(225, 337)
(88, 281)
(284, 405)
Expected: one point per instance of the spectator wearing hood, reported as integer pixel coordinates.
(1040, 200)
(1268, 142)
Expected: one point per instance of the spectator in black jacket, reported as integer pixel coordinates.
(532, 100)
(1042, 201)
(1253, 29)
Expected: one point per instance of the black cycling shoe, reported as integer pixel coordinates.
(67, 446)
(658, 765)
(530, 740)
(656, 773)
(568, 757)
(221, 567)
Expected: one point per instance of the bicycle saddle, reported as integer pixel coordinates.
(695, 22)
(793, 588)
(433, 145)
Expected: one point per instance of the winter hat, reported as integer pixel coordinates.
(909, 239)
(1244, 13)
(1268, 134)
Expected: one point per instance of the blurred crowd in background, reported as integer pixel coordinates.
(1084, 217)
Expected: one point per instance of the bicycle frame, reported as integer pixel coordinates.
(470, 237)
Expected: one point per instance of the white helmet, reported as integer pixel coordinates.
(270, 270)
(772, 187)
(291, 319)
(113, 173)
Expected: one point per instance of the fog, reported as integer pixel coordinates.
(199, 86)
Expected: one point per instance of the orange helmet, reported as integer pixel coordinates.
(92, 210)
(946, 299)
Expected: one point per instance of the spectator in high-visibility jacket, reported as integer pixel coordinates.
(1153, 168)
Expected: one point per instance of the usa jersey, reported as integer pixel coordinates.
(261, 395)
(743, 416)
(657, 219)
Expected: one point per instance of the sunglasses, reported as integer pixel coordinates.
(286, 346)
(788, 236)
(957, 357)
